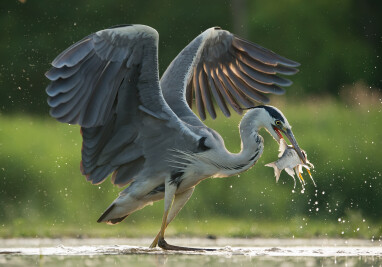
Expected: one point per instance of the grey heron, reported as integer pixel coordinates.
(142, 129)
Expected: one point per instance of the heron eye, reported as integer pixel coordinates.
(278, 123)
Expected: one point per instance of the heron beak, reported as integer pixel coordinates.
(277, 131)
(288, 133)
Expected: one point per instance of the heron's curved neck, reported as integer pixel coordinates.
(251, 145)
(249, 126)
(250, 138)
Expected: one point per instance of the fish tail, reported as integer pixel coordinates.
(300, 177)
(311, 177)
(276, 170)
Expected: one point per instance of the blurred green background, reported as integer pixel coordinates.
(334, 106)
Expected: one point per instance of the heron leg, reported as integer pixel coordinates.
(169, 215)
(179, 201)
(169, 194)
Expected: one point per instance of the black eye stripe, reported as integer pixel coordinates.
(273, 112)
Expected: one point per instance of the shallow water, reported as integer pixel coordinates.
(186, 260)
(241, 252)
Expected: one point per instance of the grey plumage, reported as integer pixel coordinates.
(240, 64)
(142, 129)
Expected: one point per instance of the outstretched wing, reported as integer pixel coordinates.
(108, 83)
(220, 67)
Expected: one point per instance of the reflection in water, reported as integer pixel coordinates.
(185, 260)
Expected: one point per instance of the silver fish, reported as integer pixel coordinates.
(291, 162)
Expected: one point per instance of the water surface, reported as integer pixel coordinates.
(229, 252)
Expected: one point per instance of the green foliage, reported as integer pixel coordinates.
(337, 42)
(41, 184)
(332, 39)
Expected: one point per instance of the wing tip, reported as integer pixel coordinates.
(47, 74)
(120, 26)
(74, 53)
(289, 63)
(288, 70)
(245, 45)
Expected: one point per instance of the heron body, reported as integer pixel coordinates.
(143, 130)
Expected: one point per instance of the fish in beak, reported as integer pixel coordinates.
(289, 134)
(289, 160)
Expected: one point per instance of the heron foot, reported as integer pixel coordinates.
(164, 245)
(154, 243)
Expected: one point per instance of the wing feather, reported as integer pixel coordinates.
(244, 87)
(227, 96)
(198, 97)
(253, 84)
(126, 173)
(239, 96)
(262, 78)
(64, 73)
(108, 84)
(264, 68)
(74, 54)
(262, 54)
(206, 94)
(237, 72)
(217, 95)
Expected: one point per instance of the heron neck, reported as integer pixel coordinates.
(250, 138)
(251, 148)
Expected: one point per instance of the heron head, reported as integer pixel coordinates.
(278, 126)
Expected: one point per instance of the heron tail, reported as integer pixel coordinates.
(104, 216)
(122, 207)
(276, 170)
